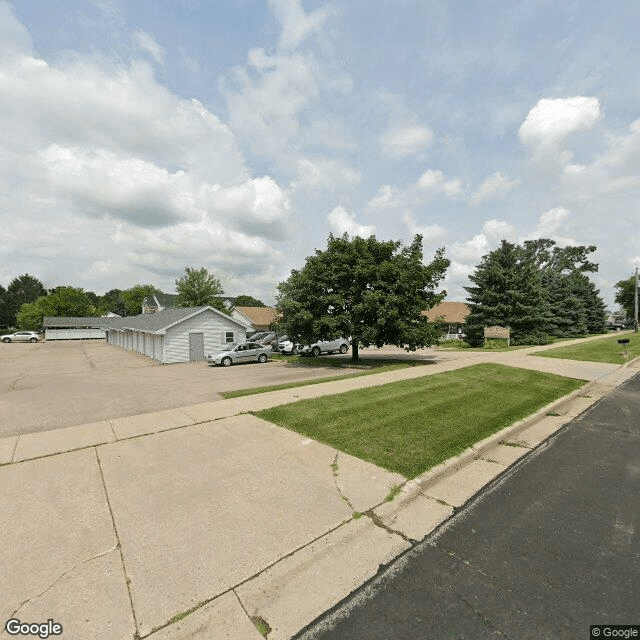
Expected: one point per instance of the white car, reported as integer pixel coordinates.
(20, 336)
(325, 346)
(238, 353)
(288, 348)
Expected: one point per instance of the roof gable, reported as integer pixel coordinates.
(160, 321)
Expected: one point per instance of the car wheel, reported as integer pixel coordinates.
(262, 358)
(343, 349)
(226, 362)
(6, 339)
(33, 340)
(315, 352)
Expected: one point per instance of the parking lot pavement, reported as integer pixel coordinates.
(49, 385)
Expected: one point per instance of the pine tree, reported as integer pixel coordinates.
(508, 292)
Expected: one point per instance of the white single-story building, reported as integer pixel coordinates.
(76, 328)
(177, 335)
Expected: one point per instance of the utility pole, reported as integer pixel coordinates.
(635, 304)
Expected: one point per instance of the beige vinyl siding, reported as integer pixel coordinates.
(212, 325)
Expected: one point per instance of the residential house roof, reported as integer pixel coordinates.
(262, 316)
(162, 320)
(454, 312)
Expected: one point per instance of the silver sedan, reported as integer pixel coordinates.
(20, 336)
(237, 353)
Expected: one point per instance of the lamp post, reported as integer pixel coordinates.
(635, 304)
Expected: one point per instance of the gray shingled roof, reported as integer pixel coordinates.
(151, 322)
(78, 322)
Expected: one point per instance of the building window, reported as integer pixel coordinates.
(229, 336)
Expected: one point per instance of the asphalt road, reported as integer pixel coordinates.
(549, 549)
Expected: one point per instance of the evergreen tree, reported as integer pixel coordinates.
(507, 291)
(22, 290)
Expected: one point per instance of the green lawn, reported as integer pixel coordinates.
(377, 366)
(413, 425)
(604, 350)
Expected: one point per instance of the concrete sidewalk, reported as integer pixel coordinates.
(205, 522)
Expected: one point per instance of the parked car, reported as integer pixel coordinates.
(325, 346)
(238, 353)
(266, 339)
(615, 326)
(20, 336)
(288, 347)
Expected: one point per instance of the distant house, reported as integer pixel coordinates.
(452, 315)
(76, 328)
(258, 318)
(177, 335)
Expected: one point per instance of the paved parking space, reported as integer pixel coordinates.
(49, 385)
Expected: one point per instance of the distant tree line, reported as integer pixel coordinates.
(26, 301)
(538, 289)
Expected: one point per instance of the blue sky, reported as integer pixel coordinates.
(140, 137)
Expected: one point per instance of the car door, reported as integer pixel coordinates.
(240, 354)
(22, 336)
(252, 351)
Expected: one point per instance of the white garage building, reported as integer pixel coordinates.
(177, 335)
(76, 328)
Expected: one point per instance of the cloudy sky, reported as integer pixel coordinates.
(142, 136)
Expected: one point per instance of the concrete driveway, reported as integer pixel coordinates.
(49, 385)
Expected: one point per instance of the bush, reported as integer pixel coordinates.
(495, 343)
(533, 338)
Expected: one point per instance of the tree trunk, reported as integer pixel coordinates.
(354, 351)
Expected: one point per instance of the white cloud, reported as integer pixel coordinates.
(342, 221)
(400, 140)
(492, 187)
(324, 174)
(435, 182)
(470, 251)
(295, 24)
(550, 121)
(148, 44)
(120, 109)
(615, 169)
(429, 232)
(552, 221)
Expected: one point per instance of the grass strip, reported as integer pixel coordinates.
(605, 350)
(413, 425)
(303, 383)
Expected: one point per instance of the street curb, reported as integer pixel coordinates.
(450, 466)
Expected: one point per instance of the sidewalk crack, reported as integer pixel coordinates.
(335, 467)
(61, 576)
(119, 546)
(375, 518)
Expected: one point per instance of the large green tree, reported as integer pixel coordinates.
(248, 301)
(370, 291)
(112, 302)
(625, 295)
(22, 290)
(7, 318)
(507, 291)
(198, 288)
(133, 297)
(60, 302)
